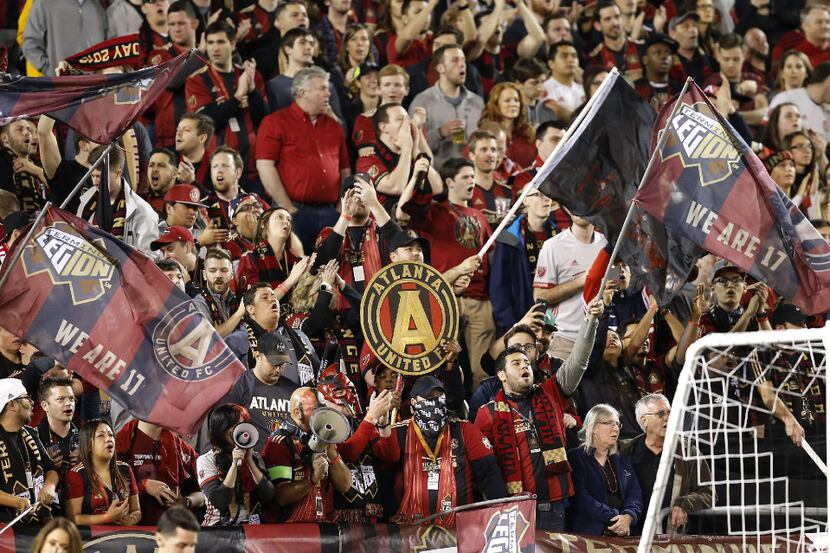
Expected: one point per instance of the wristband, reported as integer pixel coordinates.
(282, 288)
(382, 426)
(334, 461)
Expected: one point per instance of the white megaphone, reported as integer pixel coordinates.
(328, 426)
(245, 436)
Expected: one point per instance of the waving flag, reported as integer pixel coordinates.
(100, 107)
(600, 167)
(709, 190)
(121, 50)
(105, 311)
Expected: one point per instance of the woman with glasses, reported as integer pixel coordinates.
(607, 498)
(808, 151)
(101, 489)
(645, 450)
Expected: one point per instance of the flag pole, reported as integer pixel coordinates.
(471, 506)
(86, 176)
(651, 162)
(544, 170)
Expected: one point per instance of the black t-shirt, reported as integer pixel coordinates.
(645, 464)
(22, 452)
(11, 369)
(67, 175)
(268, 405)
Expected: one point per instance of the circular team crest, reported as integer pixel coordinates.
(408, 310)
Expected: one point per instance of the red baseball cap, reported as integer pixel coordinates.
(184, 194)
(172, 234)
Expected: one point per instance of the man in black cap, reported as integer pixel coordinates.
(656, 86)
(440, 461)
(695, 64)
(727, 314)
(408, 245)
(263, 391)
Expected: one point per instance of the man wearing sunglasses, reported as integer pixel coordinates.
(652, 413)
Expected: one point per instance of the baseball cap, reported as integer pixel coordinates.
(365, 68)
(172, 234)
(787, 313)
(11, 389)
(273, 347)
(680, 18)
(367, 359)
(239, 200)
(424, 386)
(660, 38)
(184, 194)
(776, 158)
(15, 220)
(347, 184)
(724, 267)
(407, 237)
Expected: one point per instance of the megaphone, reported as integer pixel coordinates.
(328, 426)
(245, 435)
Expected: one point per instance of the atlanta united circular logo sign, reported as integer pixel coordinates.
(408, 310)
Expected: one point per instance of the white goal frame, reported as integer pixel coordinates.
(684, 387)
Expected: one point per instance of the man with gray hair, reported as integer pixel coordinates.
(302, 157)
(688, 494)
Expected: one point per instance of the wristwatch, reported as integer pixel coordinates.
(325, 287)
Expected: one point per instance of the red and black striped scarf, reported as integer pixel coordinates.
(119, 213)
(368, 255)
(415, 504)
(506, 445)
(215, 313)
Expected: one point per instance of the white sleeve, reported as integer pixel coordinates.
(206, 469)
(545, 276)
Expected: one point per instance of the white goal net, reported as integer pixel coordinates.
(728, 418)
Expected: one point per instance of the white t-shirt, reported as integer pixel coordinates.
(569, 96)
(814, 116)
(562, 258)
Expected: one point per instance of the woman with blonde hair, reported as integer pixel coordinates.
(607, 497)
(793, 71)
(506, 108)
(59, 535)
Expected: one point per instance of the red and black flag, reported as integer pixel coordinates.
(105, 311)
(118, 51)
(709, 190)
(100, 107)
(600, 166)
(503, 527)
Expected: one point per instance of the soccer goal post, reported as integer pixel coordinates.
(728, 417)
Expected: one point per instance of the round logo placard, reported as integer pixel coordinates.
(408, 310)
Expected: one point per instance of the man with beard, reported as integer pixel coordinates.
(226, 167)
(440, 461)
(526, 425)
(645, 451)
(193, 135)
(161, 175)
(756, 54)
(19, 174)
(233, 97)
(395, 156)
(262, 314)
(244, 213)
(363, 501)
(29, 474)
(182, 22)
(303, 479)
(216, 300)
(690, 59)
(615, 50)
(656, 87)
(263, 390)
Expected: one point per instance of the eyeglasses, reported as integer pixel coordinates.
(526, 347)
(806, 146)
(727, 281)
(249, 207)
(618, 424)
(24, 398)
(659, 414)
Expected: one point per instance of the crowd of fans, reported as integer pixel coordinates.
(324, 140)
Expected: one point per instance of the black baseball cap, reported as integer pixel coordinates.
(660, 38)
(424, 386)
(680, 18)
(273, 347)
(405, 238)
(14, 221)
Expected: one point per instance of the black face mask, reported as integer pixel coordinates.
(431, 415)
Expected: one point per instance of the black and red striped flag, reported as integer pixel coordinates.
(100, 107)
(104, 310)
(708, 190)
